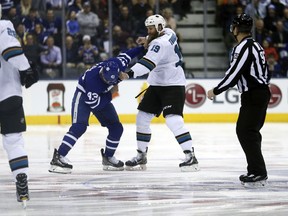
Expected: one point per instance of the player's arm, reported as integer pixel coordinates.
(12, 52)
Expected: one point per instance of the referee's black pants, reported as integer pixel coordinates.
(250, 120)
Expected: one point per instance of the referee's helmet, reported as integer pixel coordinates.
(243, 22)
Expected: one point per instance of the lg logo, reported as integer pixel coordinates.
(195, 95)
(276, 96)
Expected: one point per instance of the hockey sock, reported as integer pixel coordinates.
(176, 124)
(113, 139)
(71, 137)
(143, 134)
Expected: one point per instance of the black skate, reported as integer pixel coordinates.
(59, 164)
(137, 163)
(190, 163)
(111, 163)
(253, 181)
(22, 191)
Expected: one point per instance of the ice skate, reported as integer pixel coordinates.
(190, 163)
(22, 191)
(252, 181)
(111, 163)
(137, 163)
(60, 164)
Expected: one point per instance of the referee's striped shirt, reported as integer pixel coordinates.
(248, 68)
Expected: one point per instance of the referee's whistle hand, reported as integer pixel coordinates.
(210, 94)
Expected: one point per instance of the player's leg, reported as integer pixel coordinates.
(80, 116)
(173, 98)
(149, 107)
(108, 117)
(143, 135)
(12, 125)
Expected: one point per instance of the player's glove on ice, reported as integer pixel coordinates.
(29, 77)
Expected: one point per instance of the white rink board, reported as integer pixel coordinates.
(36, 97)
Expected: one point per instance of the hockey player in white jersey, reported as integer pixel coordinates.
(15, 71)
(166, 93)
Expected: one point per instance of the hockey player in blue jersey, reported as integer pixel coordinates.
(94, 94)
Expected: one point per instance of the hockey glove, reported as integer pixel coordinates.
(29, 77)
(130, 73)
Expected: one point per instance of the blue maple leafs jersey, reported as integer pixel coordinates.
(97, 92)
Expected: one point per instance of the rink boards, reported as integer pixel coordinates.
(49, 102)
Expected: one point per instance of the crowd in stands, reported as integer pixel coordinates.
(271, 28)
(38, 24)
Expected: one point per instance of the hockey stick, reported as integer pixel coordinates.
(141, 93)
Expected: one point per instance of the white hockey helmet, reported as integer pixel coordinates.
(156, 20)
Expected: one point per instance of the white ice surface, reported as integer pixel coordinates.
(161, 190)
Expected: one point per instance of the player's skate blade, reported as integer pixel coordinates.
(192, 168)
(139, 167)
(24, 203)
(111, 168)
(61, 170)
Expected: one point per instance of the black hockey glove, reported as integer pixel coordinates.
(130, 73)
(29, 77)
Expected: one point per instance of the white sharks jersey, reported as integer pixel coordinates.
(163, 60)
(12, 60)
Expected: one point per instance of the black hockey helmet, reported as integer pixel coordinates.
(243, 22)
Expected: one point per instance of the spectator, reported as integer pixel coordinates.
(279, 7)
(100, 7)
(181, 8)
(75, 5)
(40, 34)
(258, 9)
(13, 16)
(226, 12)
(21, 34)
(274, 67)
(269, 49)
(285, 19)
(72, 25)
(126, 21)
(260, 31)
(54, 4)
(53, 25)
(71, 52)
(283, 53)
(139, 9)
(141, 29)
(40, 6)
(31, 20)
(88, 53)
(51, 59)
(24, 7)
(88, 22)
(163, 4)
(170, 20)
(119, 37)
(6, 5)
(279, 37)
(72, 58)
(271, 19)
(32, 50)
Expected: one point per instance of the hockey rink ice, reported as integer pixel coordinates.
(160, 190)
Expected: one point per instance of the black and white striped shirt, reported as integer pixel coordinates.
(248, 68)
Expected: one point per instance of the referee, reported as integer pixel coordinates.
(248, 69)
